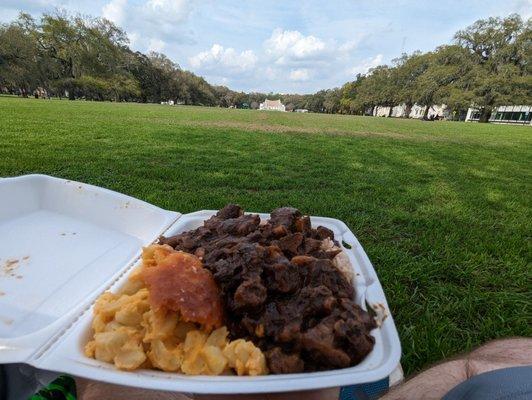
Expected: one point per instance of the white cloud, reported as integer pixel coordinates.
(524, 8)
(295, 58)
(30, 5)
(353, 44)
(133, 38)
(224, 59)
(114, 11)
(171, 11)
(285, 45)
(349, 45)
(156, 45)
(364, 66)
(270, 73)
(152, 25)
(300, 75)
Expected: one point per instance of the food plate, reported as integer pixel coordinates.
(73, 241)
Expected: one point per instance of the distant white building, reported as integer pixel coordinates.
(272, 105)
(439, 111)
(417, 111)
(399, 111)
(381, 111)
(521, 115)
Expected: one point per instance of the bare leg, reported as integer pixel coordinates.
(435, 382)
(432, 383)
(500, 354)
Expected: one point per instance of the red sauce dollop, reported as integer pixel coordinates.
(180, 283)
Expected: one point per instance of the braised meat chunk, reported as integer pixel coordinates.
(284, 286)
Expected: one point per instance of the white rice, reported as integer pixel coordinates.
(341, 261)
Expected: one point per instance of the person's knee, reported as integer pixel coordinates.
(432, 383)
(499, 354)
(508, 383)
(436, 381)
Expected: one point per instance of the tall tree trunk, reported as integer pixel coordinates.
(485, 114)
(390, 112)
(408, 110)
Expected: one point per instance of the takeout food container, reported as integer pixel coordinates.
(63, 243)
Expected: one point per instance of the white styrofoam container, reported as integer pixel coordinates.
(73, 241)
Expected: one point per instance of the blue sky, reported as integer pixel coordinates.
(281, 46)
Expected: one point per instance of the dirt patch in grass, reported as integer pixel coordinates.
(285, 129)
(275, 128)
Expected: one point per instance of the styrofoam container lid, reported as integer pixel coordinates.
(73, 241)
(60, 242)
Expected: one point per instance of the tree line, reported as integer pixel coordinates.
(90, 58)
(488, 64)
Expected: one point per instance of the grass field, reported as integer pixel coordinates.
(441, 208)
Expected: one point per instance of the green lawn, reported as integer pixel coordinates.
(441, 208)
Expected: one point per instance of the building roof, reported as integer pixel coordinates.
(272, 103)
